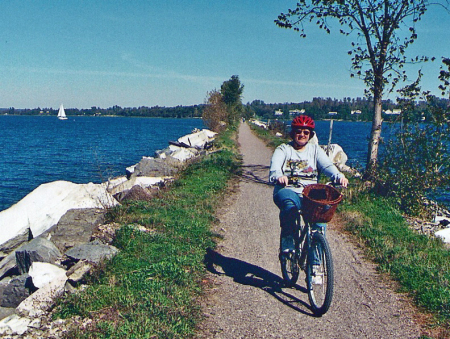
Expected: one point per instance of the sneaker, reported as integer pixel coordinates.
(317, 278)
(287, 244)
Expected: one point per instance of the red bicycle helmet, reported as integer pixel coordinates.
(303, 121)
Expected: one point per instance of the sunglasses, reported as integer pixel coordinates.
(305, 132)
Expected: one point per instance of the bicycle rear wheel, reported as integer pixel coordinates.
(320, 275)
(289, 268)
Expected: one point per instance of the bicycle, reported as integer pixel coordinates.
(312, 253)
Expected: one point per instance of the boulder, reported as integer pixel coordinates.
(76, 227)
(19, 237)
(259, 123)
(444, 235)
(115, 182)
(130, 170)
(136, 193)
(142, 181)
(156, 167)
(198, 139)
(43, 299)
(78, 271)
(43, 207)
(43, 273)
(14, 324)
(93, 252)
(182, 154)
(39, 249)
(8, 266)
(442, 220)
(6, 311)
(13, 292)
(336, 154)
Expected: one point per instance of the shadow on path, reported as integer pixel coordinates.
(256, 173)
(252, 275)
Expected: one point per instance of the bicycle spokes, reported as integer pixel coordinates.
(319, 275)
(289, 268)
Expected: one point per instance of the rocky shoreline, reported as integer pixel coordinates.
(55, 235)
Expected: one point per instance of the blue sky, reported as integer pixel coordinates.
(130, 53)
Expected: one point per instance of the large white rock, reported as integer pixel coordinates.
(444, 235)
(210, 134)
(14, 324)
(198, 139)
(181, 153)
(144, 182)
(116, 181)
(43, 207)
(441, 219)
(43, 299)
(43, 273)
(260, 124)
(337, 154)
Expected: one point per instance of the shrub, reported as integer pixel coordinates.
(416, 162)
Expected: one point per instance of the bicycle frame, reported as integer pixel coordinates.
(303, 235)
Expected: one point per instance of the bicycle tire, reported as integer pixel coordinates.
(289, 268)
(320, 295)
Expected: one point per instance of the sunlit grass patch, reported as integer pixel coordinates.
(150, 289)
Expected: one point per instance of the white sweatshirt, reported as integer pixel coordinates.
(304, 167)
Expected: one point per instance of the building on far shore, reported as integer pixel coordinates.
(278, 113)
(296, 111)
(395, 111)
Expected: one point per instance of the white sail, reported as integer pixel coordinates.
(62, 113)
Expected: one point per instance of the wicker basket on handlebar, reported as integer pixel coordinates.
(320, 202)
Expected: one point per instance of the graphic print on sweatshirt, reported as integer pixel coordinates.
(296, 170)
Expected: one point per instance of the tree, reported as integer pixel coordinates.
(416, 162)
(231, 91)
(215, 113)
(378, 52)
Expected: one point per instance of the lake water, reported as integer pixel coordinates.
(36, 150)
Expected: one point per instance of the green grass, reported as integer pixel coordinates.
(420, 264)
(151, 288)
(267, 136)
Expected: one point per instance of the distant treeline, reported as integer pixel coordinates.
(156, 111)
(318, 108)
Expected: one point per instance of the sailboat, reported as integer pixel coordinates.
(61, 113)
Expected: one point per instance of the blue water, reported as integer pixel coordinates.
(353, 137)
(36, 150)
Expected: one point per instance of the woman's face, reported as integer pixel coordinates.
(301, 136)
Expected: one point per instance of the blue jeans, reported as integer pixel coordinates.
(289, 203)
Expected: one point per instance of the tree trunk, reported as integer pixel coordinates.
(372, 154)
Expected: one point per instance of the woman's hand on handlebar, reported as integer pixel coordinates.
(343, 182)
(283, 180)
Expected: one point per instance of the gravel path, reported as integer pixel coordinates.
(247, 298)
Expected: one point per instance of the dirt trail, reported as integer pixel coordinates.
(247, 298)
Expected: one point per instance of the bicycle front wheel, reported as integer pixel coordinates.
(289, 268)
(319, 275)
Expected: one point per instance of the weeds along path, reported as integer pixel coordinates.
(247, 298)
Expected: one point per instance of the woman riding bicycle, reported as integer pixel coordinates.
(293, 166)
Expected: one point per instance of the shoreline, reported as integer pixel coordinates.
(80, 150)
